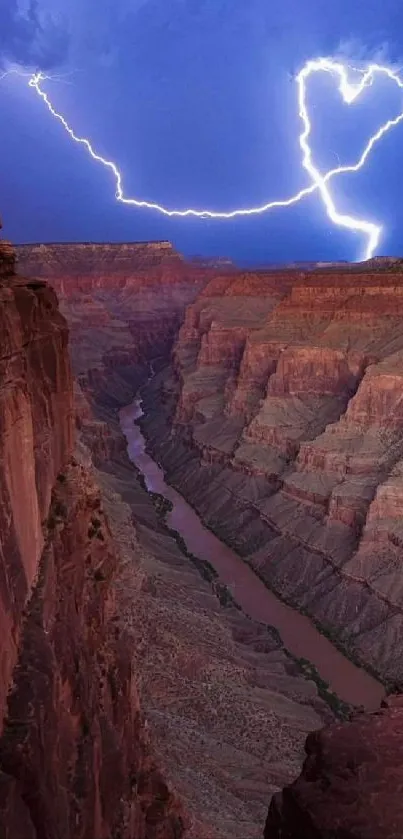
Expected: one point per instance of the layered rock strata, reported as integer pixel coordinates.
(36, 439)
(195, 658)
(227, 707)
(75, 757)
(290, 399)
(285, 390)
(124, 302)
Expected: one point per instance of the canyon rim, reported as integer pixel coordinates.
(145, 692)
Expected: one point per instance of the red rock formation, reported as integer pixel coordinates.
(289, 386)
(258, 363)
(114, 328)
(74, 741)
(317, 370)
(75, 760)
(36, 438)
(350, 785)
(85, 266)
(124, 302)
(296, 378)
(222, 346)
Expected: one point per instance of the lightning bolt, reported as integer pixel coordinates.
(319, 181)
(349, 93)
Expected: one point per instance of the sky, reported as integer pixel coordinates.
(196, 102)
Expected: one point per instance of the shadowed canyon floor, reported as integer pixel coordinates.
(279, 419)
(301, 638)
(228, 709)
(286, 436)
(75, 753)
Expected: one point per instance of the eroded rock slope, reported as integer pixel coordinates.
(123, 302)
(75, 757)
(285, 389)
(228, 709)
(351, 783)
(288, 390)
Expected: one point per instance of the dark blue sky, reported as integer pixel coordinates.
(193, 100)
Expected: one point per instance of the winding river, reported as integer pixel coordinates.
(351, 683)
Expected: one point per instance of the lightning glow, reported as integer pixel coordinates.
(319, 181)
(349, 93)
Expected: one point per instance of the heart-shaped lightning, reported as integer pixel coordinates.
(350, 92)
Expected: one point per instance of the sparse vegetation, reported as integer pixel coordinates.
(162, 505)
(60, 509)
(58, 512)
(95, 529)
(342, 709)
(225, 597)
(52, 521)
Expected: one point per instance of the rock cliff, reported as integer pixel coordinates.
(36, 439)
(124, 302)
(280, 419)
(196, 657)
(350, 785)
(75, 757)
(287, 388)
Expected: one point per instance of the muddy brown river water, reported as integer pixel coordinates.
(299, 634)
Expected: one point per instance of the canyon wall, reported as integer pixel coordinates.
(124, 302)
(350, 785)
(228, 708)
(75, 757)
(281, 423)
(286, 388)
(36, 440)
(280, 420)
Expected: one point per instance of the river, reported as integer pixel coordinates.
(300, 636)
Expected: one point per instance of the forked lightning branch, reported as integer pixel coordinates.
(349, 91)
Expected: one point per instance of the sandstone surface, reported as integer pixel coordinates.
(36, 438)
(75, 756)
(291, 402)
(123, 302)
(351, 783)
(280, 420)
(228, 709)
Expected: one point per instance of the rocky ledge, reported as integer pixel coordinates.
(282, 403)
(196, 656)
(351, 782)
(287, 391)
(75, 756)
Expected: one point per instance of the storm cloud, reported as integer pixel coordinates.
(33, 36)
(49, 34)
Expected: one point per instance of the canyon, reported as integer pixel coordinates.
(274, 409)
(75, 754)
(287, 391)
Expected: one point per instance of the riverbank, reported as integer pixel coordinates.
(344, 609)
(336, 675)
(228, 710)
(341, 709)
